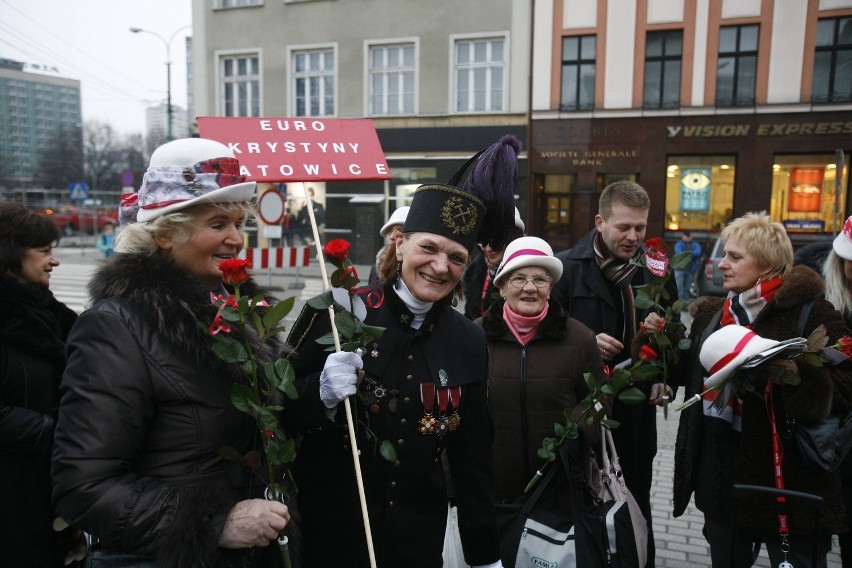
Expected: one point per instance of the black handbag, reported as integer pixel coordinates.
(826, 443)
(534, 532)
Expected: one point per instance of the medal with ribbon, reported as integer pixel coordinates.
(428, 424)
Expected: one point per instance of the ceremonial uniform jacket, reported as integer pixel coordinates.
(405, 492)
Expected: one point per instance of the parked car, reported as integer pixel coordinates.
(72, 219)
(709, 279)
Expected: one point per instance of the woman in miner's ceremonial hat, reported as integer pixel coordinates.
(421, 387)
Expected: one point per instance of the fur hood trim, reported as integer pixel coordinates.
(174, 302)
(34, 321)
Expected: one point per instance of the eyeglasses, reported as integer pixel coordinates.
(539, 281)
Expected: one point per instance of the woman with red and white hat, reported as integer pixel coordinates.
(146, 403)
(731, 441)
(537, 355)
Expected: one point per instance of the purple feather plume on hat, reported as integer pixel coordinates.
(492, 178)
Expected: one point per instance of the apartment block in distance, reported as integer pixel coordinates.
(35, 104)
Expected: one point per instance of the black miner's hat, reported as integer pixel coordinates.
(478, 203)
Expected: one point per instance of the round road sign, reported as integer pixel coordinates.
(271, 207)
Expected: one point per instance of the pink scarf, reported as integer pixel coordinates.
(523, 328)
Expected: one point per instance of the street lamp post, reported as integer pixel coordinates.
(168, 45)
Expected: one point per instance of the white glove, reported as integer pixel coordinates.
(339, 377)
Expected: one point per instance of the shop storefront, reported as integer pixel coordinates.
(700, 171)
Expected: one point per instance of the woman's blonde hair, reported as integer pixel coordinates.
(389, 268)
(836, 285)
(765, 240)
(141, 238)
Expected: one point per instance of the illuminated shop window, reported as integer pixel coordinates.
(804, 193)
(699, 192)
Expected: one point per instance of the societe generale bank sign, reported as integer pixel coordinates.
(300, 149)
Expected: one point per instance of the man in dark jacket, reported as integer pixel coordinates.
(596, 288)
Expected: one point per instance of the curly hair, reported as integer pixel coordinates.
(22, 229)
(765, 240)
(141, 238)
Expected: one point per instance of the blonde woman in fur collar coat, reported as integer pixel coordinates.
(713, 453)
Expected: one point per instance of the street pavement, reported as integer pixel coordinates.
(680, 543)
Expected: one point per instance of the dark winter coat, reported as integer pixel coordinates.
(530, 387)
(145, 408)
(710, 457)
(32, 357)
(589, 297)
(406, 496)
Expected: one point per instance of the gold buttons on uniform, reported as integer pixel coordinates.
(406, 400)
(393, 484)
(411, 357)
(396, 463)
(403, 422)
(400, 442)
(409, 378)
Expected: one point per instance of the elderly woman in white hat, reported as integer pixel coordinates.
(537, 355)
(146, 406)
(728, 438)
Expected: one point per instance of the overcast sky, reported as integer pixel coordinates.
(121, 73)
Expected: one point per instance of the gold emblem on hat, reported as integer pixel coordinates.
(458, 216)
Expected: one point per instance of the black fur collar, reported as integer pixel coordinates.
(175, 302)
(34, 322)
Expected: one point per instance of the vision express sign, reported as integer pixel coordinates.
(300, 149)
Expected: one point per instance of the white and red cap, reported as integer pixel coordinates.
(734, 346)
(528, 251)
(843, 242)
(397, 218)
(186, 172)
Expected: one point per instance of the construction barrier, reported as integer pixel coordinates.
(277, 257)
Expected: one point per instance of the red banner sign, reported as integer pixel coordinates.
(300, 149)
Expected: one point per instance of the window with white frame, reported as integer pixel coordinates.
(240, 85)
(313, 82)
(391, 81)
(480, 75)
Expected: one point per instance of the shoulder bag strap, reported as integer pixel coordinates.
(803, 317)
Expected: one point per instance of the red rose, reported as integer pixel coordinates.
(337, 249)
(844, 345)
(655, 244)
(234, 271)
(647, 354)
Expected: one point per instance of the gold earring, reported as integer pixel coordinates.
(398, 268)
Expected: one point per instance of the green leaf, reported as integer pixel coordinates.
(230, 351)
(387, 451)
(345, 323)
(611, 424)
(681, 260)
(279, 311)
(322, 301)
(231, 315)
(243, 303)
(631, 395)
(327, 339)
(572, 431)
(643, 302)
(373, 331)
(558, 429)
(243, 396)
(257, 323)
(591, 382)
(608, 389)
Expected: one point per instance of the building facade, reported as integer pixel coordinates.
(439, 81)
(35, 106)
(156, 125)
(716, 107)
